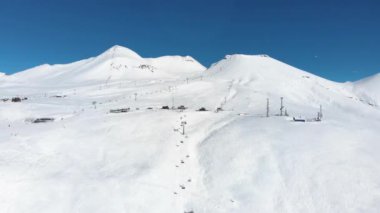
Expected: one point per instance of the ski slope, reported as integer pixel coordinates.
(151, 159)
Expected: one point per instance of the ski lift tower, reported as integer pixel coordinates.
(183, 124)
(135, 94)
(172, 91)
(320, 115)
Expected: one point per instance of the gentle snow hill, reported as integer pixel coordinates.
(368, 89)
(116, 64)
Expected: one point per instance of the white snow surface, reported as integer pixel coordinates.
(237, 160)
(368, 89)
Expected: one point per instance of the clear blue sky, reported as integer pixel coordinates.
(336, 39)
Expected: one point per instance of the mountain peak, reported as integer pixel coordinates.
(254, 67)
(246, 56)
(120, 51)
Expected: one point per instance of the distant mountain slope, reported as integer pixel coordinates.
(117, 63)
(257, 77)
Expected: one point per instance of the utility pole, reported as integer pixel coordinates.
(172, 90)
(282, 106)
(172, 101)
(267, 107)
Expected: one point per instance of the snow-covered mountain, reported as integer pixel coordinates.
(150, 159)
(258, 77)
(117, 63)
